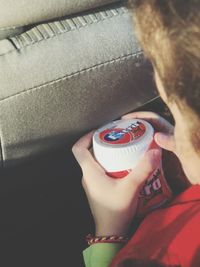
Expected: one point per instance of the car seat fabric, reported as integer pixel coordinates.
(63, 78)
(58, 79)
(15, 15)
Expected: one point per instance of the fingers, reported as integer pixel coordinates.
(81, 148)
(139, 114)
(84, 156)
(165, 141)
(159, 123)
(145, 167)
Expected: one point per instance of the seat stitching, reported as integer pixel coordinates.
(30, 90)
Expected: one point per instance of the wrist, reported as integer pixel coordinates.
(109, 230)
(113, 225)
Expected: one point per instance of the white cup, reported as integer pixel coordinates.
(119, 146)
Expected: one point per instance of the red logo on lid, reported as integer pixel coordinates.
(123, 135)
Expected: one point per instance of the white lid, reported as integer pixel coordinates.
(120, 145)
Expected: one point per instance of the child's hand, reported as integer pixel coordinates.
(113, 202)
(165, 131)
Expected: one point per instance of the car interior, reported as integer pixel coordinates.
(66, 68)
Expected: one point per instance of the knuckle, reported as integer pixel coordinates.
(75, 148)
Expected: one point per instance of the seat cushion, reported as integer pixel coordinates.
(16, 14)
(64, 78)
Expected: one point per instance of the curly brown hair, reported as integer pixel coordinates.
(169, 32)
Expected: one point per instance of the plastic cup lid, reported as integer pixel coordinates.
(121, 144)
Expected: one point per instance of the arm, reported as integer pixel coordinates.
(113, 202)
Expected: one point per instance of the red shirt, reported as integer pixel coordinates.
(170, 235)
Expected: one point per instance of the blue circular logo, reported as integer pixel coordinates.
(114, 136)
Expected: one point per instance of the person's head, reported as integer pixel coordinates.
(169, 32)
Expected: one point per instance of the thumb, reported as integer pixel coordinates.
(148, 163)
(165, 141)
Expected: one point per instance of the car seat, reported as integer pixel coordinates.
(66, 67)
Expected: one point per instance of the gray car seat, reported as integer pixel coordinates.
(62, 77)
(66, 67)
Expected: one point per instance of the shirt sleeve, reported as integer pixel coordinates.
(101, 254)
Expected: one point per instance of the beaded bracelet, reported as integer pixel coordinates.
(106, 239)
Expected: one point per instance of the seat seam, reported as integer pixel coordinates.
(58, 34)
(69, 76)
